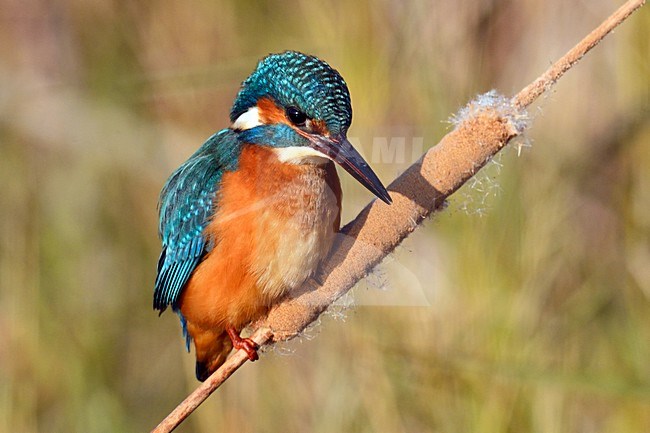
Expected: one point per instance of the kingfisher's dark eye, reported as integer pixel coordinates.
(296, 116)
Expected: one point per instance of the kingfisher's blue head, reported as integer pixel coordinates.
(300, 105)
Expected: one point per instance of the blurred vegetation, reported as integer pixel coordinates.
(525, 306)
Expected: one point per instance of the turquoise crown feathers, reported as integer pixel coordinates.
(297, 79)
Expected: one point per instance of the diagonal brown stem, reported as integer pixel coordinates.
(535, 89)
(487, 126)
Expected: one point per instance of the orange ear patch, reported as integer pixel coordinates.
(270, 112)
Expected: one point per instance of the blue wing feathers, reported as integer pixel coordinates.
(185, 209)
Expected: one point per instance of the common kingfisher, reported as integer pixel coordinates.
(253, 212)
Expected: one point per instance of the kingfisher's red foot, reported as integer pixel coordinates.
(249, 346)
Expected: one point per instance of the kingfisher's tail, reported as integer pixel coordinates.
(212, 349)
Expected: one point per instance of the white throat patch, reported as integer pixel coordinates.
(247, 120)
(300, 155)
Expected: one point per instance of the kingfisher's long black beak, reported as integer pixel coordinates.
(340, 150)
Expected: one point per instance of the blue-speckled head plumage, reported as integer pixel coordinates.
(295, 79)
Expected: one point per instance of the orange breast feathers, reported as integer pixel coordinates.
(275, 223)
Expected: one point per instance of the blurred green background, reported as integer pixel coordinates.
(523, 307)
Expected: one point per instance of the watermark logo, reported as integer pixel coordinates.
(401, 150)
